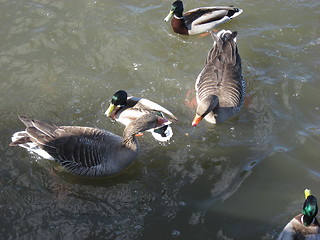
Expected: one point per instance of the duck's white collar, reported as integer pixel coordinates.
(177, 17)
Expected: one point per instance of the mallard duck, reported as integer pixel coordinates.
(85, 151)
(304, 225)
(125, 109)
(199, 20)
(220, 87)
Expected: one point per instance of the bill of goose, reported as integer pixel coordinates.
(126, 109)
(199, 20)
(304, 225)
(220, 87)
(85, 151)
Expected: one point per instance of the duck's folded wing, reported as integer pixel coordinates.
(206, 14)
(149, 105)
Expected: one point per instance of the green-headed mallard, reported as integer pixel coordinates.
(85, 151)
(220, 87)
(125, 109)
(305, 225)
(199, 20)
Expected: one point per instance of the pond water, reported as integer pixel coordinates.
(61, 61)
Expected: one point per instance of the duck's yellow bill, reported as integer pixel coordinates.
(170, 15)
(110, 110)
(307, 193)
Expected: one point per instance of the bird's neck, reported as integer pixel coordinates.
(130, 142)
(129, 139)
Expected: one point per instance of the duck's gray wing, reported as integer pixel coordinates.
(145, 104)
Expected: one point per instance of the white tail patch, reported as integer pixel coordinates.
(222, 32)
(168, 133)
(30, 146)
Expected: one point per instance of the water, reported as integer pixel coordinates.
(61, 61)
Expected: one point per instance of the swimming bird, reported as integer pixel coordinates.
(85, 151)
(199, 20)
(304, 225)
(126, 109)
(220, 87)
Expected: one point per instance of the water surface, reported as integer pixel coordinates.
(61, 61)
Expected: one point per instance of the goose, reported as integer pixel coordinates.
(85, 151)
(126, 109)
(199, 20)
(220, 87)
(304, 225)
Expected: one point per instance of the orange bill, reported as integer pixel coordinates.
(197, 119)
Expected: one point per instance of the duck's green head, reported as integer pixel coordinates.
(118, 100)
(310, 208)
(176, 9)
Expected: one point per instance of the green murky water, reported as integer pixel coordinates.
(61, 61)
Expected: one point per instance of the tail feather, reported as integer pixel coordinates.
(26, 121)
(224, 42)
(22, 140)
(39, 137)
(45, 128)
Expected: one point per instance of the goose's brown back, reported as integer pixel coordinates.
(221, 75)
(81, 150)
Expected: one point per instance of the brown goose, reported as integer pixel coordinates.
(85, 151)
(220, 87)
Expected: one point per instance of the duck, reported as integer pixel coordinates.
(304, 225)
(85, 151)
(220, 87)
(199, 20)
(126, 109)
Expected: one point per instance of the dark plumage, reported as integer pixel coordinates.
(220, 87)
(85, 151)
